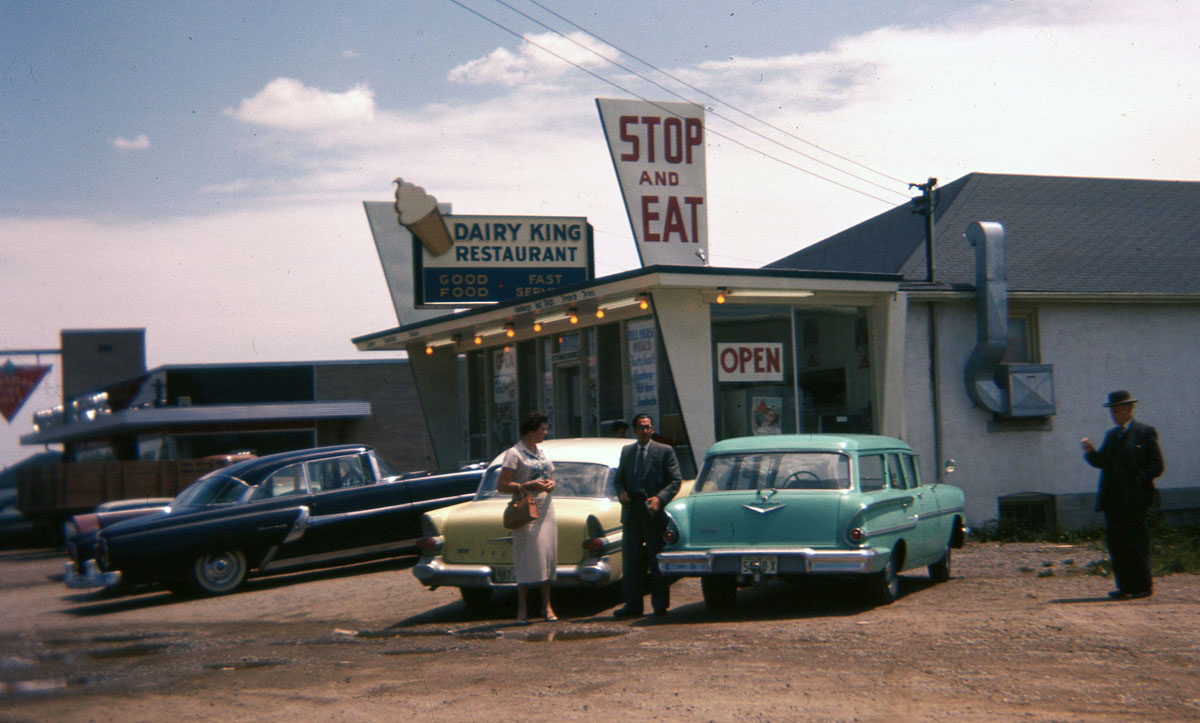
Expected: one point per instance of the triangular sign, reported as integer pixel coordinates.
(16, 384)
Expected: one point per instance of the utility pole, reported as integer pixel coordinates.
(924, 206)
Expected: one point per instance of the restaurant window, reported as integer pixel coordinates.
(609, 397)
(527, 378)
(477, 404)
(504, 397)
(833, 370)
(786, 370)
(755, 370)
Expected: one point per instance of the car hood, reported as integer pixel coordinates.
(473, 532)
(748, 519)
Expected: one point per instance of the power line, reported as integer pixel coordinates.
(709, 95)
(681, 97)
(665, 110)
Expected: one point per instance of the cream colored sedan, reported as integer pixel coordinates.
(466, 545)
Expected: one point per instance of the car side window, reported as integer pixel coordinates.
(284, 482)
(871, 472)
(333, 474)
(350, 472)
(910, 470)
(322, 475)
(895, 473)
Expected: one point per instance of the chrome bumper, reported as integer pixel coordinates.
(436, 572)
(91, 577)
(790, 560)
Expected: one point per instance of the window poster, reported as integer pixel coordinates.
(642, 339)
(764, 415)
(504, 396)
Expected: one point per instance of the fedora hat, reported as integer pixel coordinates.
(1119, 397)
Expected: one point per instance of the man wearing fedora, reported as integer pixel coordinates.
(1129, 459)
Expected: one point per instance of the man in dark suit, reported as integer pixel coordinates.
(1129, 459)
(647, 479)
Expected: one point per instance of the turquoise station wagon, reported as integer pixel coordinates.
(793, 506)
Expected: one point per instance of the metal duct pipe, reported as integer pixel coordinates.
(991, 317)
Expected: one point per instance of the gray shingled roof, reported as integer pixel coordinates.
(1079, 235)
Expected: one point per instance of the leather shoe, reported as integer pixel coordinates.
(627, 612)
(660, 613)
(1118, 594)
(1142, 594)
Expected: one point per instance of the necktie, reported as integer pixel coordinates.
(639, 464)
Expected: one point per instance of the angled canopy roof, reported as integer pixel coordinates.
(1062, 235)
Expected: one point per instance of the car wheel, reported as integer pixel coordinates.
(885, 584)
(720, 592)
(940, 570)
(218, 574)
(475, 598)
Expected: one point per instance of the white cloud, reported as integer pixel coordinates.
(533, 64)
(351, 54)
(288, 104)
(999, 93)
(140, 143)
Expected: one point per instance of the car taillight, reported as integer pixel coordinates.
(594, 544)
(429, 544)
(856, 535)
(671, 533)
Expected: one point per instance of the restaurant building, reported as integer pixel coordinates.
(1041, 295)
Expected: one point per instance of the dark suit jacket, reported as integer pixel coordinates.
(1128, 465)
(659, 476)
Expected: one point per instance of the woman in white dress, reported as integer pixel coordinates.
(528, 470)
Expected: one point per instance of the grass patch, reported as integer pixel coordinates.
(1176, 548)
(1015, 531)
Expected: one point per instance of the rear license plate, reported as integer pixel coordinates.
(766, 564)
(503, 573)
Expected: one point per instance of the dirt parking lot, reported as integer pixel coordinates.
(1020, 631)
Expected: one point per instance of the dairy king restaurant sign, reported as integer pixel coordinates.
(657, 150)
(499, 258)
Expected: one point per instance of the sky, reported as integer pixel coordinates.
(198, 169)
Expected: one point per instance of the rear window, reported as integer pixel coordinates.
(571, 479)
(775, 470)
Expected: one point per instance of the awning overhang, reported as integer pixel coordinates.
(134, 420)
(619, 297)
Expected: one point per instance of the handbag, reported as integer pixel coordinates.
(520, 511)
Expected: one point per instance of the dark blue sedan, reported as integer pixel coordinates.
(305, 508)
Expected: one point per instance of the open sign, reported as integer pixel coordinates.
(750, 362)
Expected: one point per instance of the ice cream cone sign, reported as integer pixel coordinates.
(418, 212)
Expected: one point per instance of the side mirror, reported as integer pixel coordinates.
(947, 468)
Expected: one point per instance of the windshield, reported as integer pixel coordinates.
(572, 479)
(778, 470)
(211, 489)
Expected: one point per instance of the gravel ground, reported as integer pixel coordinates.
(1020, 631)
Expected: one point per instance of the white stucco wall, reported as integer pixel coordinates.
(1149, 349)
